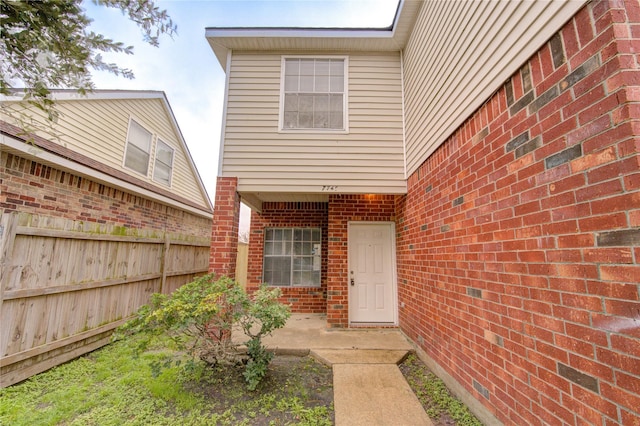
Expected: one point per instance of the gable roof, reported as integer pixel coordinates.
(393, 38)
(108, 173)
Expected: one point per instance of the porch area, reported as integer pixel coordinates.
(368, 387)
(309, 333)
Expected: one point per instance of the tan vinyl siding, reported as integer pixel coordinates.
(460, 53)
(97, 128)
(367, 159)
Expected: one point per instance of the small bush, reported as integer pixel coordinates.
(199, 317)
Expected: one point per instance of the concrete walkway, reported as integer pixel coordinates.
(368, 387)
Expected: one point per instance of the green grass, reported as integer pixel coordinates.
(436, 399)
(112, 386)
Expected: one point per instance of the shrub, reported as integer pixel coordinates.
(199, 318)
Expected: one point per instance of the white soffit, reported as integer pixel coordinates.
(393, 38)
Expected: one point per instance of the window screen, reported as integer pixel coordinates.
(313, 94)
(138, 147)
(292, 256)
(164, 163)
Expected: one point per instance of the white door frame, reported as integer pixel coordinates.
(394, 273)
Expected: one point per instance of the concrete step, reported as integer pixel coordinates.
(375, 394)
(359, 356)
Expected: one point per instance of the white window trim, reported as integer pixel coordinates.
(345, 97)
(126, 146)
(155, 159)
(264, 256)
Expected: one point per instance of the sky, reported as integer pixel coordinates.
(185, 68)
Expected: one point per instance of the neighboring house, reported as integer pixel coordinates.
(99, 210)
(470, 174)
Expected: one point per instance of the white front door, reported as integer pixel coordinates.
(372, 278)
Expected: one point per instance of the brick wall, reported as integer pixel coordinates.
(342, 209)
(519, 239)
(289, 215)
(333, 219)
(224, 233)
(32, 187)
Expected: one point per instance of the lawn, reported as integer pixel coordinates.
(112, 386)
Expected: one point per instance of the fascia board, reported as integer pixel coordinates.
(178, 132)
(223, 40)
(71, 95)
(221, 33)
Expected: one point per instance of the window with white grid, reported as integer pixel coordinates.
(313, 94)
(292, 256)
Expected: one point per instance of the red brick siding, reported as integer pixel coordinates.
(333, 219)
(519, 240)
(289, 215)
(342, 210)
(32, 187)
(224, 233)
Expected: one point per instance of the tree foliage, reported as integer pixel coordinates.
(200, 317)
(46, 44)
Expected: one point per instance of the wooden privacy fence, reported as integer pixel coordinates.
(65, 285)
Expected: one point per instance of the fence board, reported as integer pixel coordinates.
(57, 357)
(34, 292)
(65, 285)
(8, 229)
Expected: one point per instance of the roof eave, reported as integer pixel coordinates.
(219, 37)
(222, 39)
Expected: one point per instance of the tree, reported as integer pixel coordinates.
(46, 44)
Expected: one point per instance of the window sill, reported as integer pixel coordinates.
(315, 131)
(161, 184)
(295, 286)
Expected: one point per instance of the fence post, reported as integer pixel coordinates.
(165, 256)
(8, 225)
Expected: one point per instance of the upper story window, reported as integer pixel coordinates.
(313, 94)
(164, 163)
(136, 156)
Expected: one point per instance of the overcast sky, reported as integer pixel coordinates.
(186, 69)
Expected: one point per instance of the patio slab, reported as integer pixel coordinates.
(304, 332)
(368, 387)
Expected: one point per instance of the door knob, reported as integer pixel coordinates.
(353, 282)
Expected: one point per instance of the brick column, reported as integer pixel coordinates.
(337, 265)
(224, 234)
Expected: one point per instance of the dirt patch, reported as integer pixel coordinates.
(295, 390)
(299, 390)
